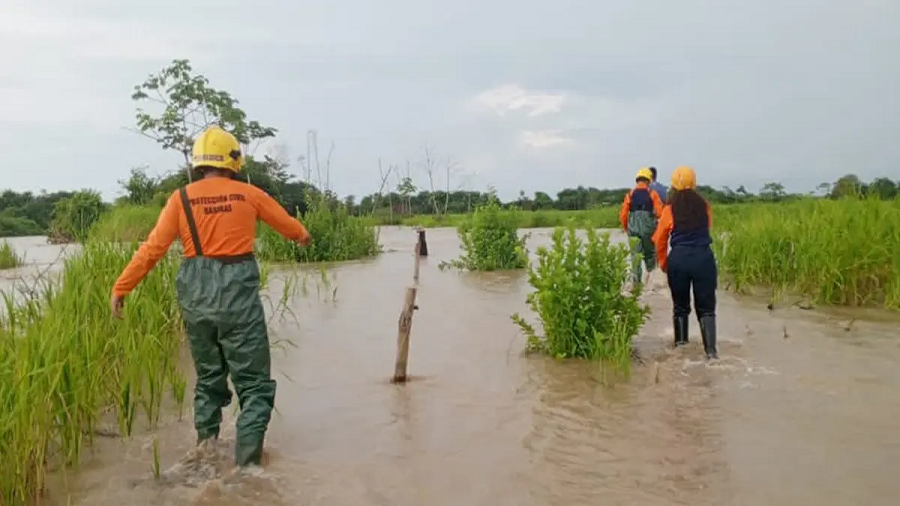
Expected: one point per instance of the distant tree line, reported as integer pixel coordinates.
(27, 213)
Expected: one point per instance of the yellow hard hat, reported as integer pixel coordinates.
(684, 178)
(217, 148)
(645, 173)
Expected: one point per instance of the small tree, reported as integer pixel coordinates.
(73, 217)
(190, 105)
(139, 189)
(580, 302)
(490, 240)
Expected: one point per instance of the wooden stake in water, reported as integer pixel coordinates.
(404, 325)
(420, 244)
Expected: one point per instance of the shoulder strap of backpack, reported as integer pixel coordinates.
(192, 225)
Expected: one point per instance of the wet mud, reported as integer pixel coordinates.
(802, 408)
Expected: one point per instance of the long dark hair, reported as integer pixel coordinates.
(688, 209)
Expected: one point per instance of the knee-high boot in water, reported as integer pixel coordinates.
(680, 323)
(708, 331)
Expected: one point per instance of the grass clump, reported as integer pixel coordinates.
(336, 235)
(9, 259)
(125, 223)
(490, 240)
(579, 299)
(840, 252)
(64, 362)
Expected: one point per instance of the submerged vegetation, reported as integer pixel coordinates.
(64, 362)
(336, 236)
(490, 240)
(9, 259)
(843, 252)
(580, 301)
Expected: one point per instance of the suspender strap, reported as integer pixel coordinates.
(192, 225)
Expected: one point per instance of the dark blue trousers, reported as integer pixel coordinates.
(693, 268)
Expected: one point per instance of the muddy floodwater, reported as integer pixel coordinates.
(803, 407)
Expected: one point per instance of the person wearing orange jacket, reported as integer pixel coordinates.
(685, 224)
(217, 287)
(638, 216)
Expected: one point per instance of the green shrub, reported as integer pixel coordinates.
(336, 235)
(490, 240)
(9, 259)
(580, 302)
(74, 216)
(126, 223)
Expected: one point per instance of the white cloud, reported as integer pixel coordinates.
(545, 139)
(512, 97)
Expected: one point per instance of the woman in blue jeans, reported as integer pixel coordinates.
(685, 223)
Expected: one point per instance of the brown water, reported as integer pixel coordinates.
(801, 409)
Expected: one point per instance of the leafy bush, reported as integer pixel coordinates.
(336, 235)
(74, 216)
(490, 240)
(580, 302)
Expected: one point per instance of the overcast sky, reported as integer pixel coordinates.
(520, 94)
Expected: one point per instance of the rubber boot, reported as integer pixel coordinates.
(248, 453)
(680, 323)
(708, 331)
(201, 437)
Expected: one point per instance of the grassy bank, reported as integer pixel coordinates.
(64, 362)
(843, 252)
(125, 223)
(603, 217)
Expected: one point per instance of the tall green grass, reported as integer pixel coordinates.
(64, 361)
(580, 301)
(336, 236)
(842, 252)
(125, 224)
(9, 259)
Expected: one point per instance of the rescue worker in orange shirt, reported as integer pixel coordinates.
(690, 265)
(217, 287)
(638, 216)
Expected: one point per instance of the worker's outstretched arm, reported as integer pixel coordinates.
(709, 215)
(623, 212)
(154, 248)
(661, 238)
(271, 212)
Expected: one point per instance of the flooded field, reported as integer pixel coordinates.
(801, 409)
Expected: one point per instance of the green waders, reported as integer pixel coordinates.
(226, 328)
(641, 225)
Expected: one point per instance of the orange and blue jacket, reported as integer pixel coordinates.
(641, 198)
(667, 231)
(225, 212)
